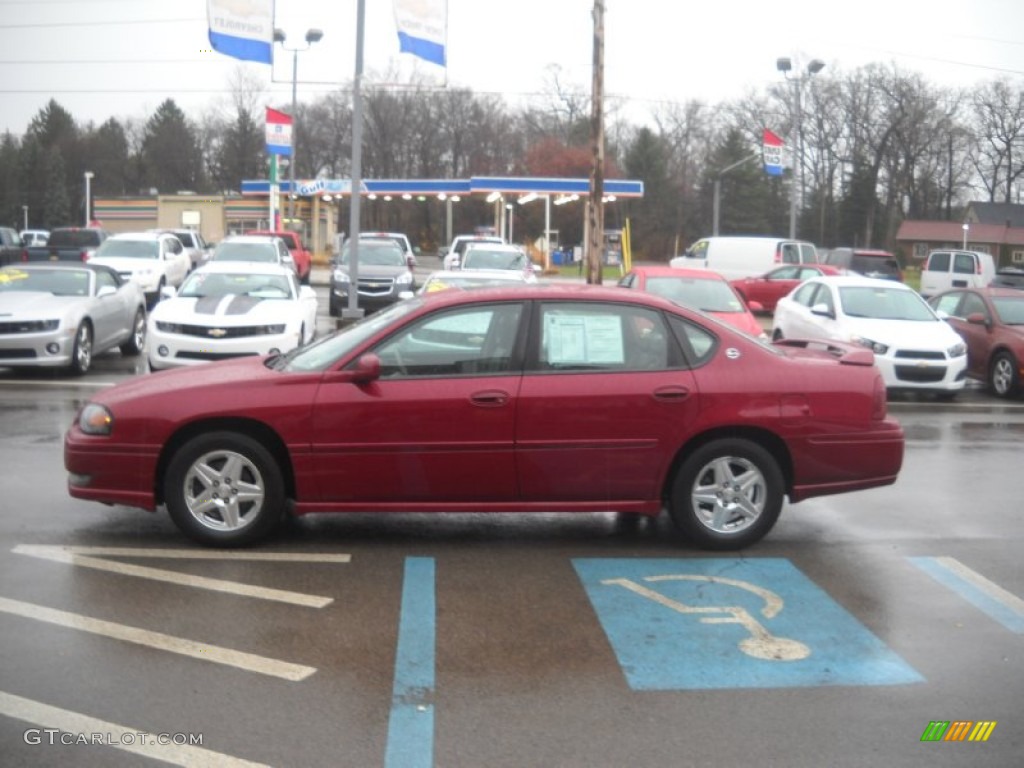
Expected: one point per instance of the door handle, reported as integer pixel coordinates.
(671, 394)
(492, 398)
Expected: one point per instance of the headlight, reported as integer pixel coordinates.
(874, 346)
(168, 327)
(957, 350)
(340, 277)
(404, 279)
(272, 330)
(95, 420)
(36, 326)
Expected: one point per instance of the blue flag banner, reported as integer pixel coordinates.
(243, 29)
(423, 28)
(772, 151)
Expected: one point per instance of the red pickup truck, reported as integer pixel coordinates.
(303, 258)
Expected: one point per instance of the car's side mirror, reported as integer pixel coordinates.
(168, 292)
(307, 292)
(106, 290)
(367, 369)
(977, 318)
(755, 306)
(823, 310)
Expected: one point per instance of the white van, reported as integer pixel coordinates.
(735, 257)
(956, 269)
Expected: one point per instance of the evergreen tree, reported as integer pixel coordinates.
(56, 203)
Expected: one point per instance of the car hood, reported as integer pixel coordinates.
(36, 305)
(222, 310)
(905, 333)
(127, 263)
(377, 270)
(172, 388)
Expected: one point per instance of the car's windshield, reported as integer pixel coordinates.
(202, 284)
(322, 354)
(706, 295)
(245, 252)
(378, 254)
(1010, 310)
(59, 282)
(485, 258)
(884, 303)
(132, 249)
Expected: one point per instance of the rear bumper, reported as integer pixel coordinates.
(840, 463)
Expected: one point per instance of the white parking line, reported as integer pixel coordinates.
(71, 556)
(158, 640)
(133, 740)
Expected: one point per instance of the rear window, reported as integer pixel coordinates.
(874, 264)
(74, 238)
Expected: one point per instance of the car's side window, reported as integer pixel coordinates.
(784, 273)
(698, 343)
(973, 303)
(948, 303)
(805, 293)
(471, 340)
(104, 279)
(604, 337)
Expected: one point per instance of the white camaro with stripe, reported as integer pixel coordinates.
(231, 309)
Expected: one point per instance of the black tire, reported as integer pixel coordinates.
(217, 465)
(81, 351)
(716, 484)
(134, 346)
(1003, 375)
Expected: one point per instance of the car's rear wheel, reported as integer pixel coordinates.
(1003, 376)
(137, 342)
(224, 489)
(727, 494)
(81, 351)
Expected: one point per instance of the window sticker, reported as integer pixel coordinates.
(583, 339)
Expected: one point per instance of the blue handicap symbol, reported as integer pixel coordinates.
(678, 624)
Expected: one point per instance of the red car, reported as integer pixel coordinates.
(556, 398)
(303, 259)
(768, 288)
(697, 288)
(991, 322)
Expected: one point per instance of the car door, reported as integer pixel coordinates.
(604, 402)
(178, 261)
(109, 313)
(771, 287)
(978, 336)
(438, 425)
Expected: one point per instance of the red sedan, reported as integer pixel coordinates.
(554, 398)
(991, 322)
(697, 288)
(768, 288)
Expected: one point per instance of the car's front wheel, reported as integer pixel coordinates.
(224, 489)
(81, 350)
(137, 341)
(727, 494)
(1003, 376)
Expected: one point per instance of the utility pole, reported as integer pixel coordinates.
(595, 202)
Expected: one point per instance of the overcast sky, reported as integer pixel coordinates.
(122, 58)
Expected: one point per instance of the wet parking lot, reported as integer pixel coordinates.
(875, 628)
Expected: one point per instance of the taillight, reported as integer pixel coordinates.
(879, 399)
(85, 255)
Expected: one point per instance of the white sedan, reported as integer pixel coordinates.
(914, 348)
(231, 309)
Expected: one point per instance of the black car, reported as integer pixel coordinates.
(385, 272)
(867, 262)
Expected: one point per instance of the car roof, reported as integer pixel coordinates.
(498, 246)
(144, 236)
(511, 275)
(554, 291)
(244, 267)
(251, 239)
(39, 266)
(860, 280)
(697, 274)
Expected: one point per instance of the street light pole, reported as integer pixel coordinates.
(785, 65)
(312, 36)
(967, 228)
(24, 216)
(88, 197)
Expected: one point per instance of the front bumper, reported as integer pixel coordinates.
(171, 350)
